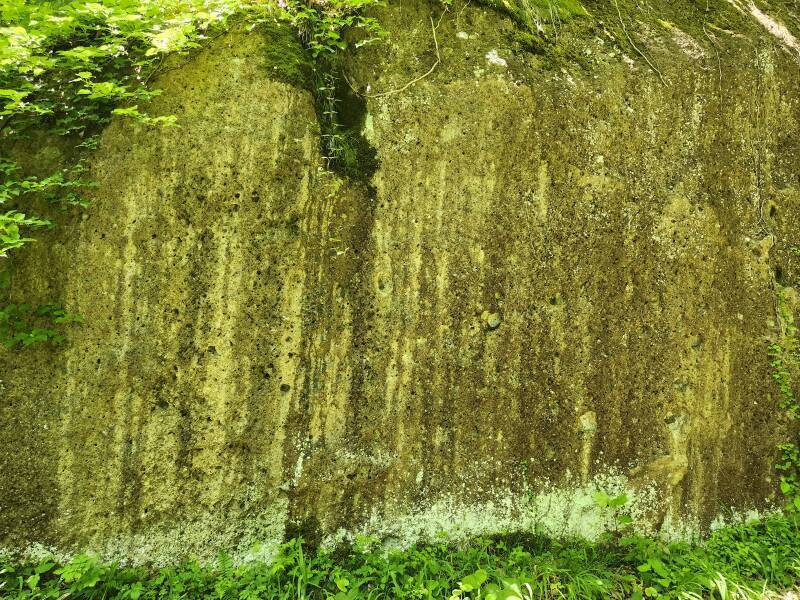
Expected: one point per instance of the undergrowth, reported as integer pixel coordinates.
(752, 560)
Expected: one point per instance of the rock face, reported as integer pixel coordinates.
(560, 279)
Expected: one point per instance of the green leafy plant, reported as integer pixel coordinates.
(469, 584)
(322, 27)
(744, 561)
(64, 69)
(614, 505)
(789, 469)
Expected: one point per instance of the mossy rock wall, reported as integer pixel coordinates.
(560, 279)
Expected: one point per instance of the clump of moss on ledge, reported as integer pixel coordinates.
(538, 21)
(285, 58)
(755, 560)
(559, 28)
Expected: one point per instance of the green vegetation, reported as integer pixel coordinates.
(785, 356)
(24, 325)
(66, 68)
(736, 562)
(322, 28)
(539, 21)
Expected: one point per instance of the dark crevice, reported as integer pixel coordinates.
(341, 114)
(340, 111)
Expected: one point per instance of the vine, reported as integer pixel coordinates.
(66, 70)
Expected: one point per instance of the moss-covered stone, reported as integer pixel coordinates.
(285, 58)
(559, 278)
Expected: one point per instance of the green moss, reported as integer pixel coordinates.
(546, 11)
(340, 112)
(539, 21)
(285, 58)
(357, 158)
(691, 17)
(558, 28)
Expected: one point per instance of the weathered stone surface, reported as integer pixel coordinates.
(561, 279)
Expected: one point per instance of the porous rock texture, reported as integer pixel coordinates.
(561, 278)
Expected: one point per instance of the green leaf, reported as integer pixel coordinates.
(658, 567)
(475, 580)
(32, 582)
(618, 501)
(601, 499)
(342, 583)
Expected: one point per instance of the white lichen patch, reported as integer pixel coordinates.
(736, 517)
(687, 43)
(245, 540)
(559, 511)
(773, 26)
(776, 28)
(37, 552)
(368, 131)
(493, 58)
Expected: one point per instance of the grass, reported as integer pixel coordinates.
(753, 560)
